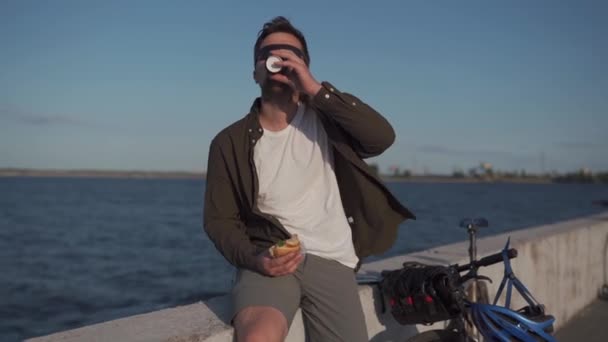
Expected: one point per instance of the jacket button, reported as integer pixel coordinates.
(250, 130)
(326, 96)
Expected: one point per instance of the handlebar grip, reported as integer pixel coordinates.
(496, 258)
(489, 260)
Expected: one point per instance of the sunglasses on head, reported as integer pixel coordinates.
(266, 51)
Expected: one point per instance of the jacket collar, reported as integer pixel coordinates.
(254, 129)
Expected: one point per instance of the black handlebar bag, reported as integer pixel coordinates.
(422, 294)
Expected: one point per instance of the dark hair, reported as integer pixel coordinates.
(281, 24)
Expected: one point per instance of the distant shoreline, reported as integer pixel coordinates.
(135, 174)
(449, 179)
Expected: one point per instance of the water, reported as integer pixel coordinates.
(79, 251)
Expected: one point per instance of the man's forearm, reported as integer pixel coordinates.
(232, 242)
(371, 132)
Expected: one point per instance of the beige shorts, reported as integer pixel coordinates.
(326, 290)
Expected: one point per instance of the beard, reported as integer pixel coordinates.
(273, 89)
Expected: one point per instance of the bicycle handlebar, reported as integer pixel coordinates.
(486, 261)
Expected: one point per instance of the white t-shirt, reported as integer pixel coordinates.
(298, 186)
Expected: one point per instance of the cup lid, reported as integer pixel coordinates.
(270, 64)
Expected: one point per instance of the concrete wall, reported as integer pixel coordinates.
(564, 265)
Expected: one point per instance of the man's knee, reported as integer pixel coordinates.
(257, 324)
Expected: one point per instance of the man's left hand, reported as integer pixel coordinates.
(300, 78)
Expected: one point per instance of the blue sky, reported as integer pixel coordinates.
(147, 84)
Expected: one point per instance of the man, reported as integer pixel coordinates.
(294, 165)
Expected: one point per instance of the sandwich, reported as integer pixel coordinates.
(285, 246)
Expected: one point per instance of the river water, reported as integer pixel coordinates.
(78, 251)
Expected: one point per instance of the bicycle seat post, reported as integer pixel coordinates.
(472, 226)
(472, 230)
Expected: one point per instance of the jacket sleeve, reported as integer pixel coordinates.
(221, 218)
(370, 133)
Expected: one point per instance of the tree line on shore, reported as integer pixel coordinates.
(485, 172)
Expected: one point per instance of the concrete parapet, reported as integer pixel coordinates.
(563, 264)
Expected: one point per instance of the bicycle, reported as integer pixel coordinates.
(424, 294)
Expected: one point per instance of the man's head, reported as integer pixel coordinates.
(278, 33)
(280, 26)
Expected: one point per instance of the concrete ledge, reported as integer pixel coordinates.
(564, 265)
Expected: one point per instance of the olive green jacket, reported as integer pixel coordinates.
(355, 131)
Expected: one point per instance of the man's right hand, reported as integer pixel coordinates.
(275, 267)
